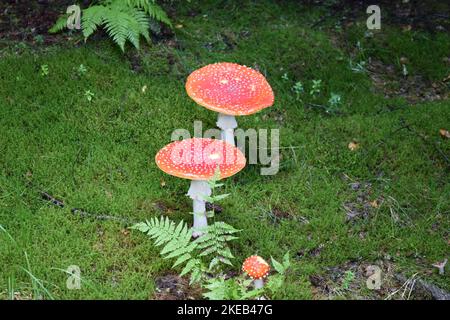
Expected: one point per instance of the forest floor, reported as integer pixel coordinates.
(362, 183)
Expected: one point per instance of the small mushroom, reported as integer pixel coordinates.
(257, 268)
(197, 159)
(231, 90)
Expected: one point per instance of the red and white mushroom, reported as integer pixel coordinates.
(197, 159)
(230, 89)
(257, 268)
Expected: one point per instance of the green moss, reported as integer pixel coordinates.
(98, 155)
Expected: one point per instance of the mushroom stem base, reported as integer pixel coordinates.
(197, 192)
(258, 283)
(227, 123)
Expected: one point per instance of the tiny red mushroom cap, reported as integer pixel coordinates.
(256, 267)
(198, 158)
(230, 88)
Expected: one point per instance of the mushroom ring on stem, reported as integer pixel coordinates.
(231, 90)
(257, 268)
(197, 159)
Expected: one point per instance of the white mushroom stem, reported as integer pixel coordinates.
(197, 192)
(227, 124)
(258, 283)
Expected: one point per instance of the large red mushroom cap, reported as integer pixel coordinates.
(256, 267)
(198, 158)
(229, 88)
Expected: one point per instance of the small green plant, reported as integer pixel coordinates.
(89, 95)
(298, 89)
(349, 276)
(39, 39)
(44, 70)
(285, 76)
(82, 69)
(334, 103)
(335, 100)
(316, 88)
(358, 67)
(276, 282)
(123, 20)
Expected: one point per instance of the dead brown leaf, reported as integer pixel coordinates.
(375, 203)
(353, 145)
(406, 28)
(444, 133)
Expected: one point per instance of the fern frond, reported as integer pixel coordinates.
(123, 20)
(190, 266)
(121, 26)
(176, 242)
(174, 239)
(60, 24)
(91, 19)
(157, 13)
(152, 9)
(182, 259)
(214, 243)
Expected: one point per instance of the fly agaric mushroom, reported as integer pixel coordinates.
(257, 268)
(197, 159)
(230, 89)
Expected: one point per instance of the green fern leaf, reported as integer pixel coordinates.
(91, 19)
(189, 266)
(123, 20)
(225, 253)
(226, 261)
(141, 226)
(60, 24)
(181, 251)
(182, 259)
(178, 229)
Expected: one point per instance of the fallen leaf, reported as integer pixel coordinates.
(353, 145)
(179, 26)
(375, 203)
(407, 27)
(144, 89)
(125, 232)
(444, 133)
(162, 183)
